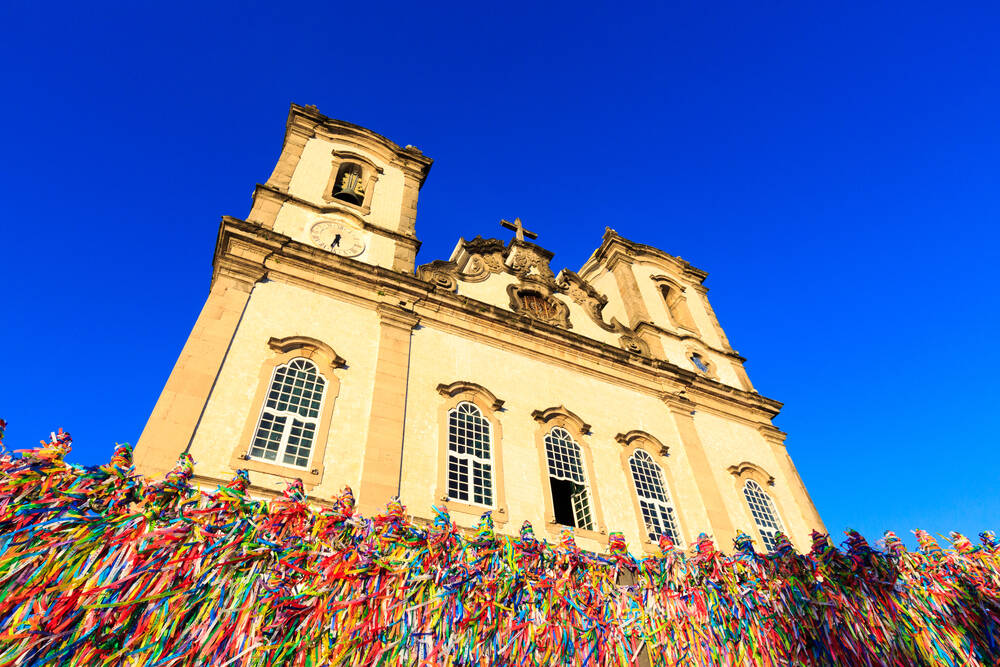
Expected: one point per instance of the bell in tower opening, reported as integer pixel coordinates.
(348, 185)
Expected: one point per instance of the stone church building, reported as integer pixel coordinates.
(605, 399)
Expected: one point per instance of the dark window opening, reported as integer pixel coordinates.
(348, 185)
(677, 307)
(562, 500)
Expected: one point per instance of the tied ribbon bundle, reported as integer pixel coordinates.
(99, 566)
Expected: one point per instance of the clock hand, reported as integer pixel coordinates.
(336, 241)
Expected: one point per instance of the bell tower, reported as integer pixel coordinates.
(342, 188)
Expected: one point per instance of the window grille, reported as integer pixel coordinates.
(764, 513)
(537, 306)
(289, 419)
(654, 501)
(566, 464)
(470, 465)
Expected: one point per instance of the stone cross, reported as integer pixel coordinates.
(519, 231)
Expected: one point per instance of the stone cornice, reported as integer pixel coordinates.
(615, 248)
(548, 414)
(461, 386)
(395, 316)
(772, 434)
(632, 437)
(655, 328)
(306, 343)
(273, 193)
(308, 119)
(276, 257)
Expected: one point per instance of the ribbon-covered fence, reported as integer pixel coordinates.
(99, 566)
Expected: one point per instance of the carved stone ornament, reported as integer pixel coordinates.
(478, 259)
(638, 438)
(581, 292)
(486, 257)
(440, 273)
(745, 469)
(634, 344)
(535, 300)
(526, 260)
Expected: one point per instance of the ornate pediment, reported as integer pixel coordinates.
(480, 258)
(529, 261)
(534, 295)
(534, 299)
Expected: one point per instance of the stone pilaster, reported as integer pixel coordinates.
(178, 410)
(803, 502)
(383, 457)
(718, 516)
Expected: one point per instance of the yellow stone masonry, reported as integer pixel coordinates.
(627, 355)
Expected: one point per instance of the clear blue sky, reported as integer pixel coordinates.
(833, 169)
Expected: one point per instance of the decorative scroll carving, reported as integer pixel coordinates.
(581, 292)
(535, 294)
(308, 346)
(486, 258)
(529, 261)
(634, 344)
(461, 386)
(548, 414)
(440, 273)
(637, 437)
(751, 470)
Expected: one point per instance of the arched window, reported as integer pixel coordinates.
(654, 501)
(676, 303)
(764, 514)
(287, 427)
(470, 464)
(570, 500)
(348, 185)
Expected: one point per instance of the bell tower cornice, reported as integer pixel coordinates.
(615, 248)
(308, 122)
(344, 189)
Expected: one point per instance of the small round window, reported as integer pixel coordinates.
(699, 363)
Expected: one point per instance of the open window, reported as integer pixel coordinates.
(349, 184)
(567, 475)
(676, 303)
(570, 499)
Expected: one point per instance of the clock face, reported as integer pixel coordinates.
(339, 238)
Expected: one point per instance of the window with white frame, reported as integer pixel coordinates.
(289, 419)
(470, 464)
(570, 500)
(654, 501)
(764, 513)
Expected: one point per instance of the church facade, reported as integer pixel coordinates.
(607, 399)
